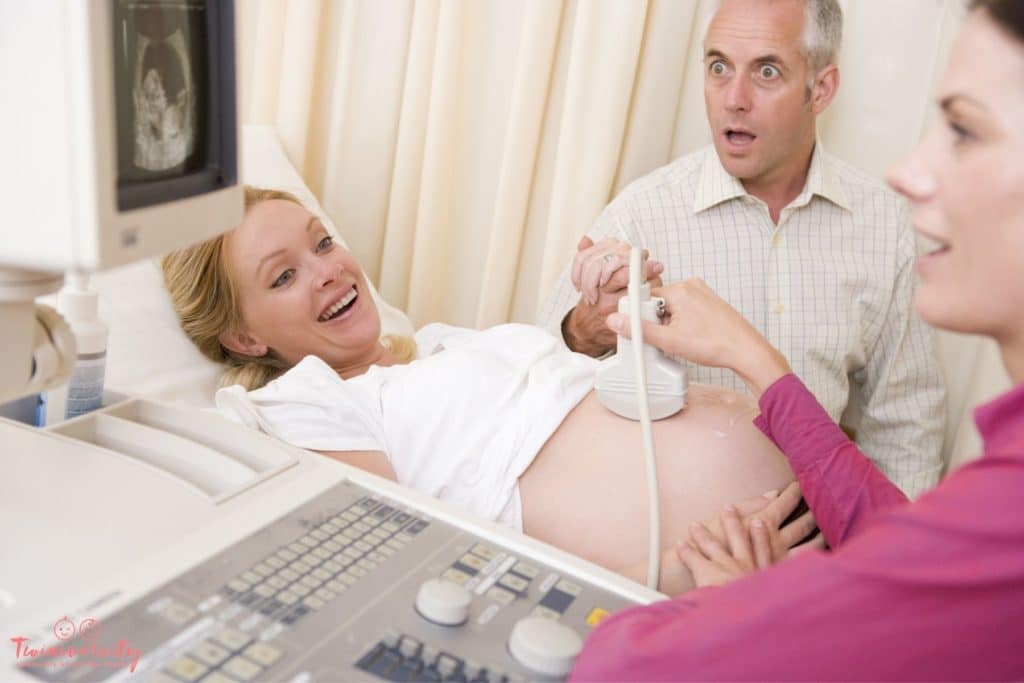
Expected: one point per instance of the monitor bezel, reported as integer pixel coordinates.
(222, 169)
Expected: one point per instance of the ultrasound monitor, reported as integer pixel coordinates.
(119, 130)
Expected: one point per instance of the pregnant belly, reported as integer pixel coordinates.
(586, 491)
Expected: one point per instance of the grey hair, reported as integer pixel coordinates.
(822, 35)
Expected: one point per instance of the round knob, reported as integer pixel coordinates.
(544, 645)
(443, 602)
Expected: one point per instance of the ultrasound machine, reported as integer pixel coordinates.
(151, 541)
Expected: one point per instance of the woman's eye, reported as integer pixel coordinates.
(326, 243)
(960, 134)
(283, 278)
(769, 72)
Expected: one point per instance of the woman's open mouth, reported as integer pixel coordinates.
(339, 307)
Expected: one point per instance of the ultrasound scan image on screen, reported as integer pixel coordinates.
(161, 90)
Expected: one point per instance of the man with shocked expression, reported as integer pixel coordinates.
(815, 254)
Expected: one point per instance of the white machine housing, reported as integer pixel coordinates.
(59, 172)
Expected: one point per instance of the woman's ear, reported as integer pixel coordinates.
(243, 343)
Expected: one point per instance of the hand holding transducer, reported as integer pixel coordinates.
(600, 273)
(701, 327)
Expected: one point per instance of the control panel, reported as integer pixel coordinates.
(353, 585)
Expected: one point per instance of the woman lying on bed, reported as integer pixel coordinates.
(502, 422)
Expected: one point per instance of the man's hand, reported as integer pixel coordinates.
(600, 273)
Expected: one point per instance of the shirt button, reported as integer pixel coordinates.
(777, 240)
(778, 309)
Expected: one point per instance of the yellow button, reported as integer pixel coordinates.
(473, 561)
(596, 616)
(484, 552)
(455, 576)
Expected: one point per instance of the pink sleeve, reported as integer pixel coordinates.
(931, 591)
(843, 488)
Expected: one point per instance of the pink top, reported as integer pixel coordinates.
(930, 590)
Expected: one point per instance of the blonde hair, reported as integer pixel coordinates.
(206, 301)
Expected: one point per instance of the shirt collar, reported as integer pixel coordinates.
(717, 186)
(1001, 422)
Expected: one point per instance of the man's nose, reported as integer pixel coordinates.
(738, 95)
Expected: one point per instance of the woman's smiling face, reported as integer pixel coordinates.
(966, 183)
(299, 293)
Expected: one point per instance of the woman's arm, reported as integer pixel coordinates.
(374, 462)
(841, 485)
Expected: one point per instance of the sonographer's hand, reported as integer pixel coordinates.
(600, 273)
(701, 327)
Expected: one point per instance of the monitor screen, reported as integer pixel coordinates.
(170, 124)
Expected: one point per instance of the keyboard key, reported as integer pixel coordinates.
(526, 570)
(313, 602)
(288, 597)
(484, 551)
(177, 613)
(264, 590)
(310, 581)
(324, 594)
(263, 569)
(241, 668)
(263, 653)
(232, 639)
(473, 561)
(513, 583)
(187, 669)
(210, 653)
(455, 576)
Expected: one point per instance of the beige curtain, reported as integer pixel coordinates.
(463, 146)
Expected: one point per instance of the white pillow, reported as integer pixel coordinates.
(147, 353)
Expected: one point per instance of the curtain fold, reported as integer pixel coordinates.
(464, 146)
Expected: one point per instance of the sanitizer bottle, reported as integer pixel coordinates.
(84, 391)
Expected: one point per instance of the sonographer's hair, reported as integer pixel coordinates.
(206, 301)
(1007, 14)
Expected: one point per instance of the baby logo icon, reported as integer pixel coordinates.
(64, 629)
(89, 629)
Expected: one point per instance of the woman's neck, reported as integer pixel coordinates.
(380, 355)
(1012, 351)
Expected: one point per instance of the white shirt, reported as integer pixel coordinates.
(831, 286)
(461, 425)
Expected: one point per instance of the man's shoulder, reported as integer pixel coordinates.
(678, 178)
(862, 188)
